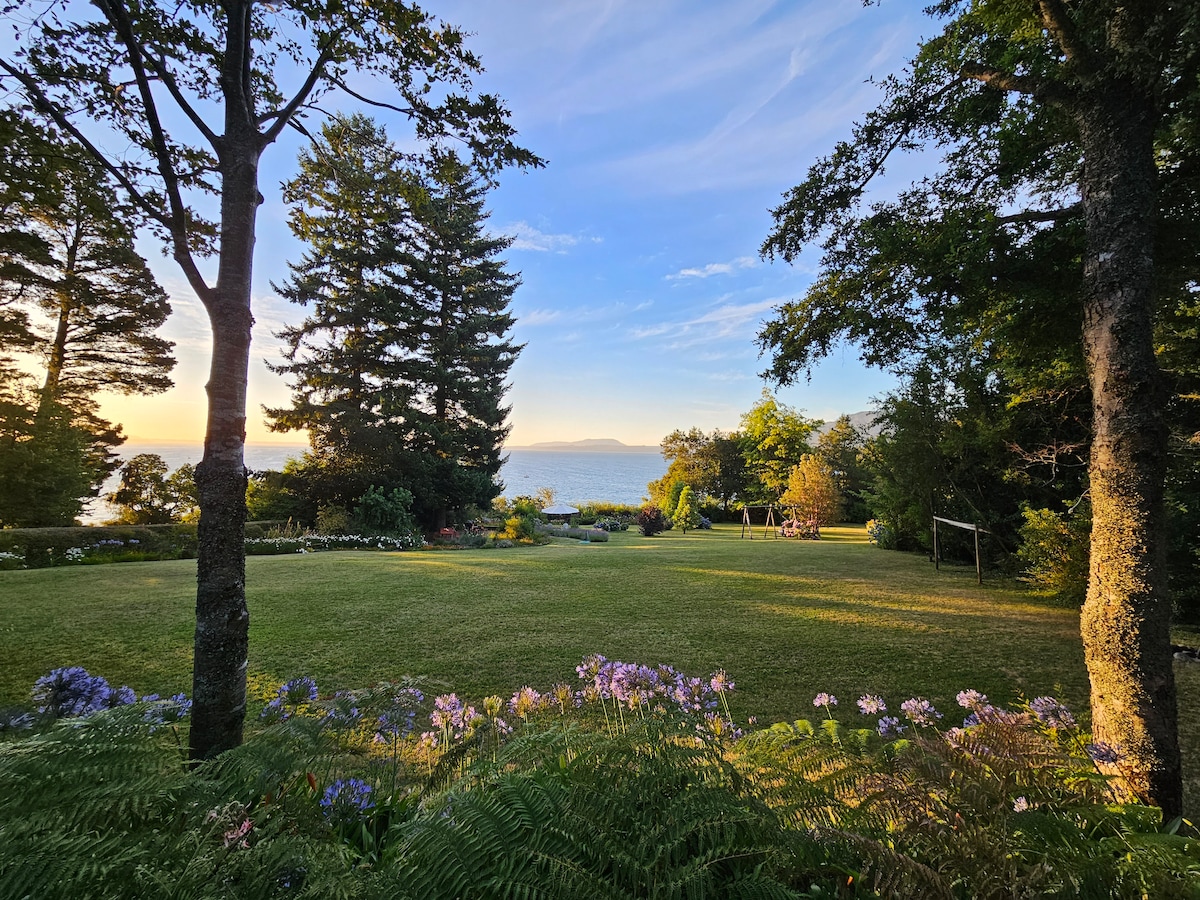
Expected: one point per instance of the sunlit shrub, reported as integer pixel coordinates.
(1055, 551)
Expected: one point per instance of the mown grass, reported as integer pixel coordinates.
(785, 618)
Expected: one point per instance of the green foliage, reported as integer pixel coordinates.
(399, 370)
(148, 495)
(269, 497)
(44, 547)
(686, 514)
(52, 462)
(333, 519)
(571, 804)
(379, 513)
(521, 527)
(813, 493)
(1054, 548)
(773, 436)
(841, 449)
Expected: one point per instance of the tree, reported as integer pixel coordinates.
(1049, 114)
(712, 464)
(49, 460)
(94, 303)
(148, 495)
(813, 493)
(216, 65)
(686, 514)
(400, 370)
(74, 294)
(840, 448)
(774, 437)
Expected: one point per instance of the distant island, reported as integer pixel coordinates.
(595, 445)
(863, 421)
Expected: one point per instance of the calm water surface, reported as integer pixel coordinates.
(576, 476)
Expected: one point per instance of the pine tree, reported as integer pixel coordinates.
(399, 371)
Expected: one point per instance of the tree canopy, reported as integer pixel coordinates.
(1065, 132)
(178, 104)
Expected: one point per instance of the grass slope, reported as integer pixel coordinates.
(785, 618)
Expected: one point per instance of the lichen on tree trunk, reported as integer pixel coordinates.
(1125, 622)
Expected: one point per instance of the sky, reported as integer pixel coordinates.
(670, 128)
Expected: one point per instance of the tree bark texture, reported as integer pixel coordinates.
(222, 617)
(1125, 622)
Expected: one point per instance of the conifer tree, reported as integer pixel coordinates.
(399, 371)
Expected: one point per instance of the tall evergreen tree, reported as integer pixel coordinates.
(399, 372)
(455, 273)
(76, 298)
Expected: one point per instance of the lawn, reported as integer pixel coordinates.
(787, 619)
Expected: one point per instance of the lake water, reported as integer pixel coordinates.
(576, 476)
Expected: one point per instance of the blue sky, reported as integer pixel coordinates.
(670, 129)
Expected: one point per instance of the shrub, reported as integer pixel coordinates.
(594, 536)
(36, 548)
(1054, 549)
(633, 783)
(380, 513)
(881, 535)
(333, 519)
(650, 520)
(520, 528)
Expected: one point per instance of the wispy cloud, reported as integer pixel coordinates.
(540, 316)
(527, 237)
(726, 268)
(721, 323)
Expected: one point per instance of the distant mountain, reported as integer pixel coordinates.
(864, 421)
(595, 445)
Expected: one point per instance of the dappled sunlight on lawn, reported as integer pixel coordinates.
(848, 616)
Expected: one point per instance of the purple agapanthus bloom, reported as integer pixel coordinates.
(72, 691)
(1102, 752)
(720, 683)
(889, 726)
(298, 691)
(825, 700)
(347, 801)
(165, 712)
(871, 705)
(971, 699)
(920, 711)
(1021, 804)
(525, 701)
(1050, 712)
(16, 722)
(394, 723)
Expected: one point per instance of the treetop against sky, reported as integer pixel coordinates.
(670, 129)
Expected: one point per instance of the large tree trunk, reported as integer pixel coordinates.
(222, 617)
(1125, 621)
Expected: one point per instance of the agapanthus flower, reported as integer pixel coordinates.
(16, 722)
(920, 711)
(524, 702)
(1102, 753)
(871, 705)
(165, 712)
(971, 699)
(825, 700)
(1021, 804)
(1050, 712)
(889, 726)
(720, 682)
(72, 691)
(298, 691)
(347, 801)
(394, 723)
